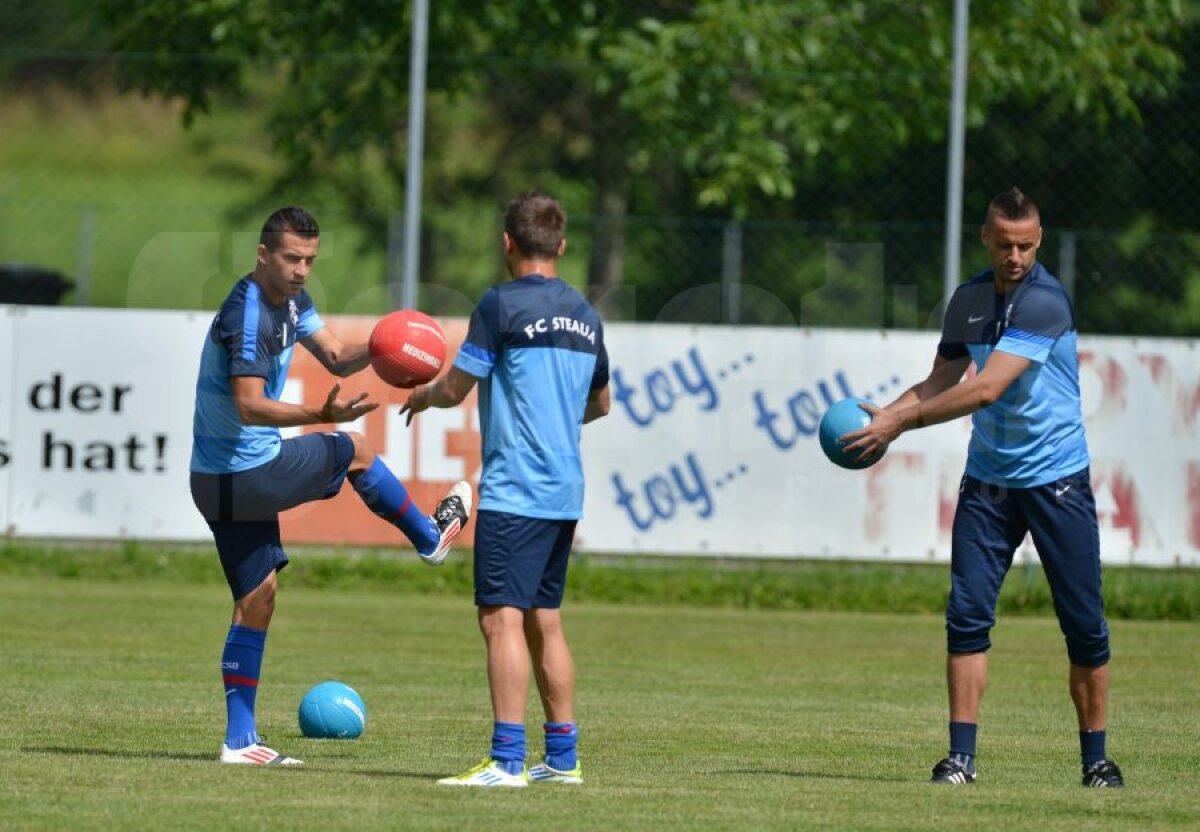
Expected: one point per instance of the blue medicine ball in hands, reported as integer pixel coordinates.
(844, 417)
(332, 710)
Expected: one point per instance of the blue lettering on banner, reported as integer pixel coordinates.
(803, 408)
(663, 494)
(662, 388)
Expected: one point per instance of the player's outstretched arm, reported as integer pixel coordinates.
(447, 391)
(946, 373)
(957, 400)
(340, 359)
(255, 407)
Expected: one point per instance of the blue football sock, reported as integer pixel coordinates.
(562, 740)
(1091, 746)
(241, 663)
(508, 746)
(962, 743)
(387, 497)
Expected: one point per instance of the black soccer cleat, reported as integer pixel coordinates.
(952, 773)
(1103, 775)
(450, 517)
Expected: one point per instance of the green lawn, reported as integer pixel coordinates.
(692, 718)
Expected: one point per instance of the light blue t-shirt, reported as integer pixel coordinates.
(248, 337)
(537, 347)
(1034, 433)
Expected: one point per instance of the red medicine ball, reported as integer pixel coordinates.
(407, 348)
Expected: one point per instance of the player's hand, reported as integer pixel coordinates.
(337, 411)
(418, 400)
(873, 440)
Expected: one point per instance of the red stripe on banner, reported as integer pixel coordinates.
(241, 680)
(400, 511)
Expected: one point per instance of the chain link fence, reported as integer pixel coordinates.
(109, 189)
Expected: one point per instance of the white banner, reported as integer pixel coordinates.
(7, 360)
(710, 448)
(100, 435)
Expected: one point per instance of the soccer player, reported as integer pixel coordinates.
(1027, 471)
(243, 474)
(537, 349)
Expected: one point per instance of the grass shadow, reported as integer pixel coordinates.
(184, 757)
(109, 752)
(816, 775)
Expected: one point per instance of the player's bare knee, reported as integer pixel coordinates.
(543, 622)
(495, 622)
(364, 451)
(255, 608)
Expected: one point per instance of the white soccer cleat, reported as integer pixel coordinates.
(256, 755)
(450, 517)
(488, 773)
(542, 773)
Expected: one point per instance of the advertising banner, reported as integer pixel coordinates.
(100, 431)
(710, 449)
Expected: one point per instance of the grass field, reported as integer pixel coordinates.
(692, 718)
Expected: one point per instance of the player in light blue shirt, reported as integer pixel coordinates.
(535, 347)
(1027, 472)
(243, 474)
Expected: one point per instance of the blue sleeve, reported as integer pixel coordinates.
(308, 321)
(600, 374)
(479, 351)
(238, 330)
(1038, 318)
(953, 344)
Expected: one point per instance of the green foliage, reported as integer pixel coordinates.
(761, 96)
(712, 105)
(747, 98)
(814, 122)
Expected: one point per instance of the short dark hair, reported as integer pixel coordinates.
(536, 223)
(291, 219)
(1013, 204)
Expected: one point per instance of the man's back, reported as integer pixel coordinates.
(538, 347)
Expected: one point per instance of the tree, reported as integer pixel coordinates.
(738, 107)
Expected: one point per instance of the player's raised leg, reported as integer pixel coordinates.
(386, 496)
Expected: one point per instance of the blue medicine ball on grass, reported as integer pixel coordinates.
(842, 418)
(332, 710)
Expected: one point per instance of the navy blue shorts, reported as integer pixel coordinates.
(990, 523)
(521, 561)
(242, 509)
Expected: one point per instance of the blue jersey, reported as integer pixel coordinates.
(1033, 434)
(537, 347)
(248, 337)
